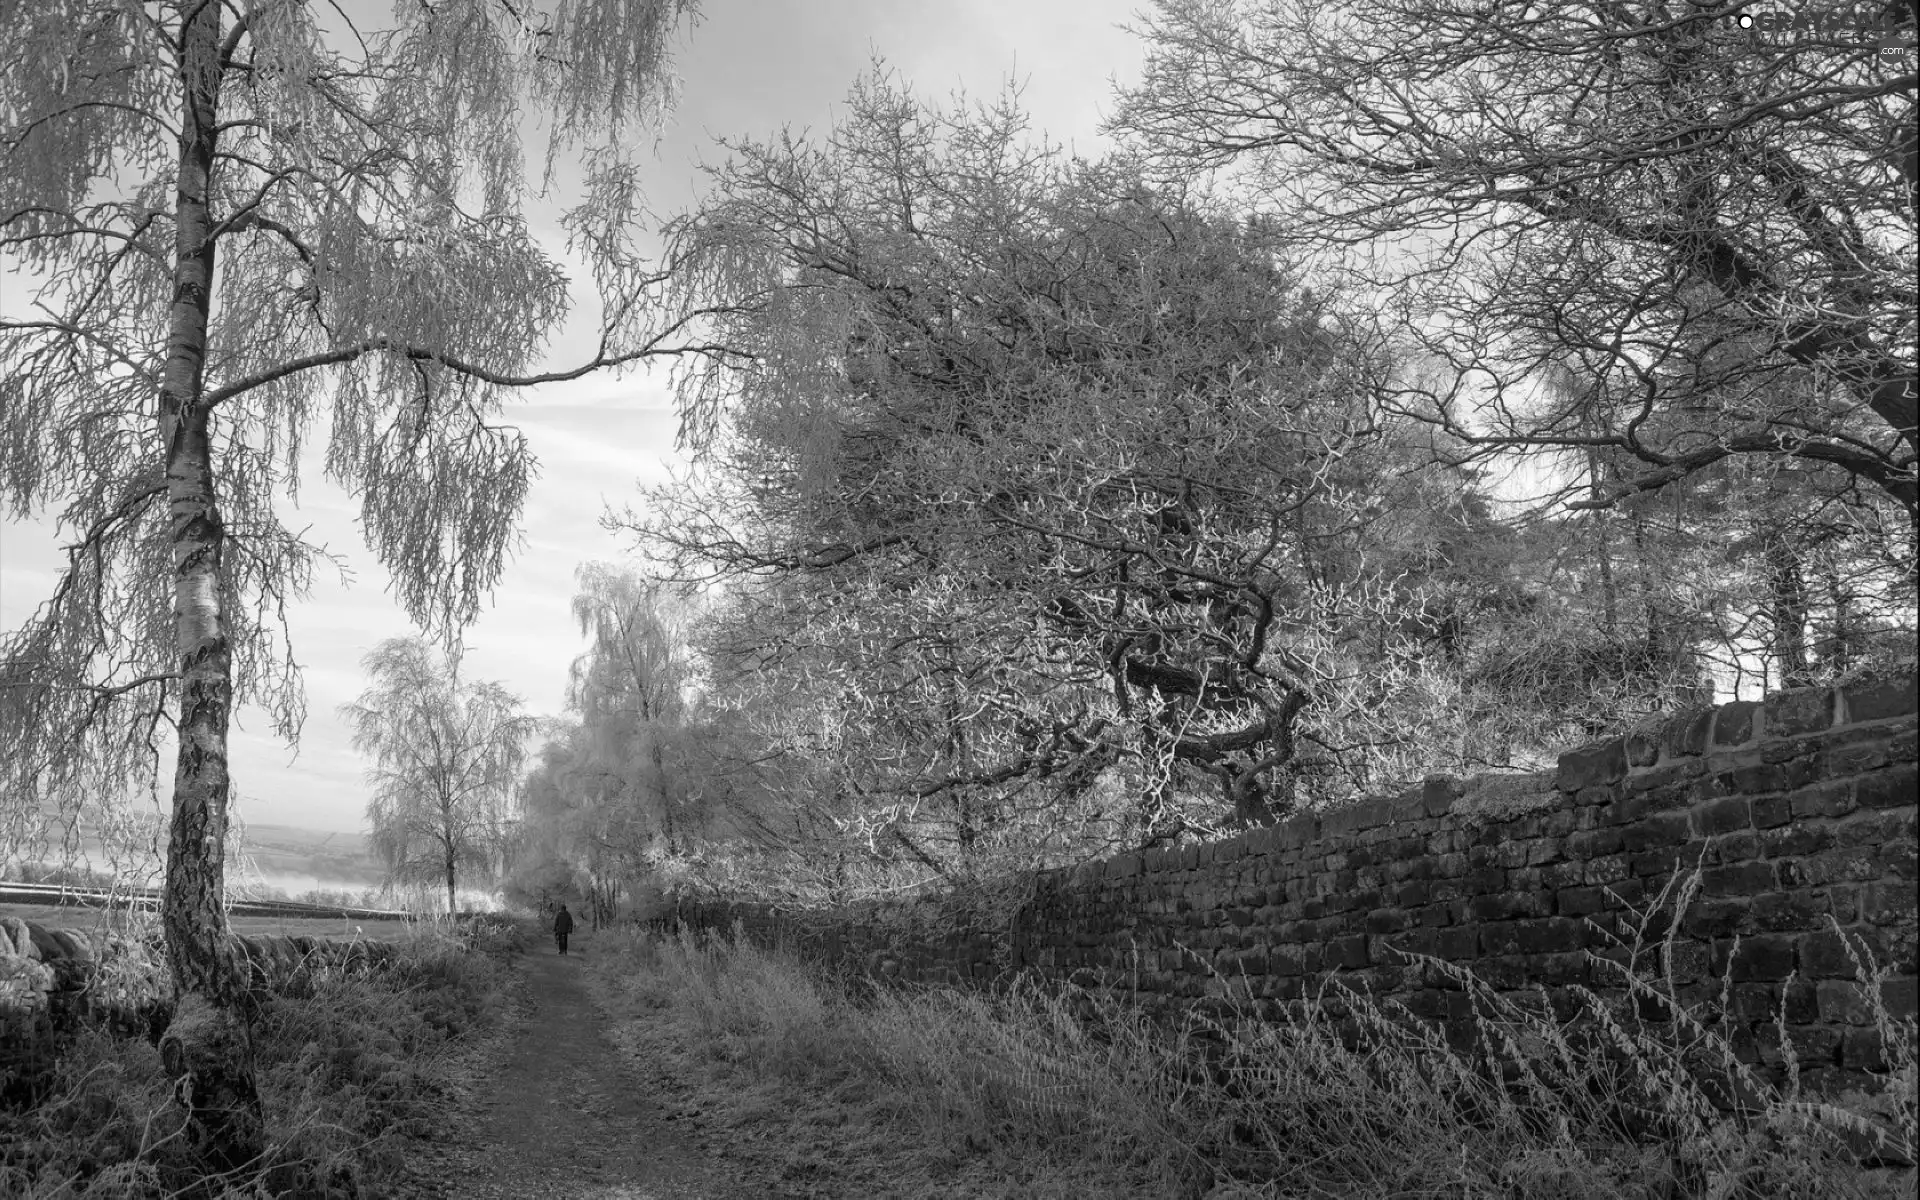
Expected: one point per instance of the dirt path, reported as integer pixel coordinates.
(565, 1113)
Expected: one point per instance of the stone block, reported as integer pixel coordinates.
(1481, 880)
(1802, 710)
(1890, 787)
(1593, 843)
(1890, 903)
(1721, 917)
(1770, 812)
(46, 949)
(1649, 863)
(1843, 1002)
(1412, 893)
(1901, 997)
(1738, 879)
(1687, 734)
(1579, 901)
(1655, 831)
(1611, 869)
(1501, 906)
(1492, 799)
(1549, 935)
(1828, 954)
(1724, 815)
(1879, 829)
(1899, 861)
(1605, 793)
(1846, 864)
(1878, 699)
(1503, 972)
(1545, 851)
(1562, 969)
(1789, 751)
(1863, 1050)
(1643, 747)
(1388, 920)
(1349, 952)
(1760, 778)
(1789, 911)
(1292, 960)
(1628, 809)
(1735, 724)
(1767, 956)
(1457, 943)
(1853, 759)
(1593, 765)
(1833, 798)
(1437, 794)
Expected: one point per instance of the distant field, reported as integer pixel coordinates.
(95, 921)
(283, 857)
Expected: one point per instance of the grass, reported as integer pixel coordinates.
(1059, 1092)
(351, 1068)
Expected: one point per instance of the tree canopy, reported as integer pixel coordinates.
(1712, 222)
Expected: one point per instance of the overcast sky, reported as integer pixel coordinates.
(751, 67)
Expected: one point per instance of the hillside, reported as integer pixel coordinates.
(297, 860)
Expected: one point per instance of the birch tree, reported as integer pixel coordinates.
(230, 228)
(446, 765)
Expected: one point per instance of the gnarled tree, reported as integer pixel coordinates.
(1052, 498)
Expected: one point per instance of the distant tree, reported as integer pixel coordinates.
(613, 793)
(224, 223)
(1713, 223)
(447, 757)
(630, 691)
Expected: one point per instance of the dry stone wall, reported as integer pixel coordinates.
(52, 980)
(1798, 813)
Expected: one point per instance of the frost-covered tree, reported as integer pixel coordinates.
(446, 764)
(230, 228)
(1709, 217)
(1047, 498)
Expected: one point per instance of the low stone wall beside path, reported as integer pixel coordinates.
(1798, 812)
(53, 979)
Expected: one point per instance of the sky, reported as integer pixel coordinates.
(749, 68)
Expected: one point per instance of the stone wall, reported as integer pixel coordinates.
(1799, 814)
(51, 980)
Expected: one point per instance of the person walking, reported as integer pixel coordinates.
(562, 926)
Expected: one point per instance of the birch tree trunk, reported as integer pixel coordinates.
(208, 1046)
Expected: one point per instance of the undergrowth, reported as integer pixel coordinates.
(351, 1065)
(1060, 1091)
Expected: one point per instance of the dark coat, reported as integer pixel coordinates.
(563, 923)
